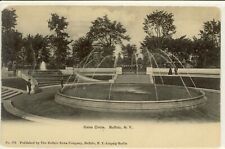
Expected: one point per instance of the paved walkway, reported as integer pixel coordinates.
(144, 79)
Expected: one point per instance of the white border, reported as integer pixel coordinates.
(219, 4)
(115, 3)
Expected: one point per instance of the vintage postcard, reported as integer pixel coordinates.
(110, 75)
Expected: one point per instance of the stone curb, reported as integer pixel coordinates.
(9, 107)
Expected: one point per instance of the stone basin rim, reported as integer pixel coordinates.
(59, 93)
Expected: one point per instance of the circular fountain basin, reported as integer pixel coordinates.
(129, 97)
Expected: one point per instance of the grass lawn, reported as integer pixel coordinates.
(200, 82)
(15, 83)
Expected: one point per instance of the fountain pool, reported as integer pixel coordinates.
(132, 92)
(129, 97)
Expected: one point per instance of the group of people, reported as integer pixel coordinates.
(28, 84)
(175, 71)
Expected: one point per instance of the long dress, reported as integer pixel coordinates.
(170, 71)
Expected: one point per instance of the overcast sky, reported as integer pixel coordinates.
(188, 20)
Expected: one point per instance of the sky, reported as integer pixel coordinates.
(188, 20)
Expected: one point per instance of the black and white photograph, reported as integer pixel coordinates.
(117, 63)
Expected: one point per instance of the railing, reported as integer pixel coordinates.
(70, 70)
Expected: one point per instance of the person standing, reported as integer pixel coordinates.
(176, 70)
(29, 86)
(170, 71)
(61, 82)
(14, 68)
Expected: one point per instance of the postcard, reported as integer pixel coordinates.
(110, 74)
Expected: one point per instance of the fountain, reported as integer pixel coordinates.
(129, 92)
(43, 66)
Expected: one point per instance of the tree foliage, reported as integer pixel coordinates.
(81, 49)
(211, 32)
(11, 38)
(9, 19)
(36, 49)
(30, 52)
(207, 47)
(180, 47)
(11, 44)
(59, 39)
(205, 50)
(159, 24)
(103, 38)
(151, 43)
(106, 34)
(129, 52)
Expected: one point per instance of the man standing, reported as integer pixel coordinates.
(29, 86)
(61, 81)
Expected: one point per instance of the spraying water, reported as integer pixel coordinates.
(183, 67)
(43, 66)
(156, 93)
(111, 84)
(99, 65)
(157, 67)
(136, 64)
(178, 74)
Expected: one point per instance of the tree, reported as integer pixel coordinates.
(151, 43)
(180, 47)
(59, 39)
(207, 47)
(158, 26)
(21, 57)
(37, 47)
(29, 51)
(81, 49)
(106, 34)
(41, 48)
(207, 54)
(9, 19)
(211, 31)
(11, 38)
(11, 44)
(129, 52)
